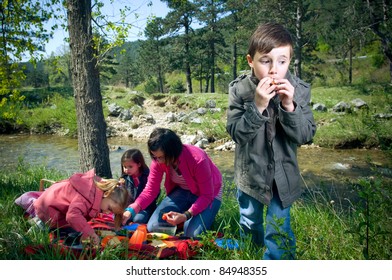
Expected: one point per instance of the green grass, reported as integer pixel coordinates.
(54, 115)
(358, 128)
(324, 230)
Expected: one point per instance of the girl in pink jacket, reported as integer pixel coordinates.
(193, 185)
(75, 201)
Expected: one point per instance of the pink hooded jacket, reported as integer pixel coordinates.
(71, 202)
(200, 173)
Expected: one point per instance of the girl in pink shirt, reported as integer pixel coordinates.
(75, 201)
(193, 185)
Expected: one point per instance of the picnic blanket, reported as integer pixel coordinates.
(156, 246)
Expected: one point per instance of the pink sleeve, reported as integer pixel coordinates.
(76, 216)
(204, 185)
(153, 186)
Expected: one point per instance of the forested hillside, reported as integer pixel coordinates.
(200, 46)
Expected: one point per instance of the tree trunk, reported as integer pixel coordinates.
(127, 78)
(69, 80)
(187, 63)
(160, 80)
(350, 66)
(212, 68)
(390, 72)
(384, 37)
(234, 60)
(189, 88)
(201, 76)
(298, 42)
(92, 142)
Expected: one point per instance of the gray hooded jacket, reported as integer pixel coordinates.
(260, 156)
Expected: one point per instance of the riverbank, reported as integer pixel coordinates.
(322, 169)
(340, 124)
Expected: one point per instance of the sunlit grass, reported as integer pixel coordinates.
(324, 229)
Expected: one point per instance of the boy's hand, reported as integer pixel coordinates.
(265, 90)
(285, 90)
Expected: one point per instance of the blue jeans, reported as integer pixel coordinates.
(279, 238)
(142, 217)
(180, 200)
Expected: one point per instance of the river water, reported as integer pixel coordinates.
(319, 166)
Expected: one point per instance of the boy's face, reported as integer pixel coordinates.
(274, 64)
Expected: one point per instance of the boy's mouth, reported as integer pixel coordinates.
(273, 82)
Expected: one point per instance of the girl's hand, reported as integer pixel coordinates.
(285, 90)
(126, 216)
(265, 90)
(93, 240)
(174, 218)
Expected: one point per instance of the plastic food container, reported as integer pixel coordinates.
(139, 236)
(166, 228)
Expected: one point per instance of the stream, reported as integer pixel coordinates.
(319, 166)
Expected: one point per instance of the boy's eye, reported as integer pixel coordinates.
(264, 61)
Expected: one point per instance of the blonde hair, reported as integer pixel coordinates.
(114, 190)
(108, 186)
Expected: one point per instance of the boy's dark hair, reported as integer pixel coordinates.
(268, 36)
(136, 156)
(167, 141)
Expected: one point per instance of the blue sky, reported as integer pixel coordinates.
(139, 7)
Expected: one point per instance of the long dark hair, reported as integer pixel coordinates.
(136, 156)
(167, 141)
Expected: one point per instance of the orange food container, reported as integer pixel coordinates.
(139, 236)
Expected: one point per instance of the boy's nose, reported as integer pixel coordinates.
(272, 70)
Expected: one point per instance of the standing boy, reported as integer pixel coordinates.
(268, 118)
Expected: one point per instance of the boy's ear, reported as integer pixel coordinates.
(250, 60)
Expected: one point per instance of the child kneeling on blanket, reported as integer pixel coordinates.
(75, 201)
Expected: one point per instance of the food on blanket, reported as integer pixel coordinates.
(157, 235)
(158, 243)
(103, 233)
(166, 228)
(112, 240)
